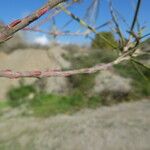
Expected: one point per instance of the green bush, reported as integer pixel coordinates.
(140, 83)
(19, 95)
(84, 82)
(100, 43)
(45, 105)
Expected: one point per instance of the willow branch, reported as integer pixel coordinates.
(60, 73)
(7, 31)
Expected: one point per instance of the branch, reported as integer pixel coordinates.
(139, 63)
(135, 15)
(134, 19)
(56, 33)
(51, 73)
(50, 16)
(7, 31)
(114, 19)
(60, 73)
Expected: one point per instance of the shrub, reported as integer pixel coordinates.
(100, 43)
(140, 83)
(19, 95)
(85, 82)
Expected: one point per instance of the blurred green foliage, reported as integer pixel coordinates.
(20, 95)
(84, 82)
(99, 43)
(140, 81)
(3, 104)
(44, 104)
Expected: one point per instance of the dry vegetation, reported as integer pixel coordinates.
(126, 126)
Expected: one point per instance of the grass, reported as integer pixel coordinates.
(3, 104)
(19, 95)
(47, 105)
(43, 104)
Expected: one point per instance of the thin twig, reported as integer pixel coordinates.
(56, 33)
(135, 15)
(114, 19)
(83, 23)
(138, 70)
(139, 63)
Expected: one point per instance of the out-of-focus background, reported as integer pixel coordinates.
(108, 109)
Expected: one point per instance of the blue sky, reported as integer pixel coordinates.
(11, 10)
